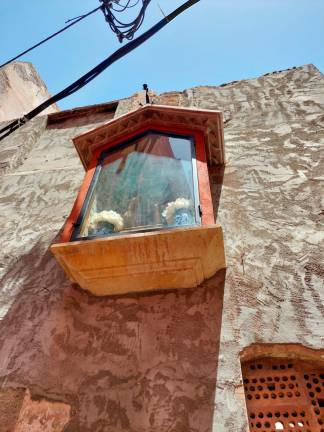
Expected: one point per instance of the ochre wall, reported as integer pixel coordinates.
(169, 362)
(21, 90)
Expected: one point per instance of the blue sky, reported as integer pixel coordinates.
(214, 42)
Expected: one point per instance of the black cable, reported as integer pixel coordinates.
(121, 29)
(75, 20)
(93, 73)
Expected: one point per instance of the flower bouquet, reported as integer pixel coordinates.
(179, 212)
(106, 222)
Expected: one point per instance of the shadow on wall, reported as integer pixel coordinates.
(144, 362)
(216, 177)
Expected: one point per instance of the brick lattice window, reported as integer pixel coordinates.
(284, 395)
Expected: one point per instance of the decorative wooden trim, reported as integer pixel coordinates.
(210, 123)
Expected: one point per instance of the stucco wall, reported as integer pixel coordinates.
(170, 361)
(21, 90)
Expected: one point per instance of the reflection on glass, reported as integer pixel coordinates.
(145, 185)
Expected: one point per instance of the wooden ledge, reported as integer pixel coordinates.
(177, 258)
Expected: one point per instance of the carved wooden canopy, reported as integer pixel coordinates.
(210, 123)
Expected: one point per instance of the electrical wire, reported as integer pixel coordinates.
(93, 73)
(75, 21)
(123, 30)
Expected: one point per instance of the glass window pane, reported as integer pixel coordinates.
(145, 185)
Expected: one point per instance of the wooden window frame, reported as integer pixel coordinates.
(204, 190)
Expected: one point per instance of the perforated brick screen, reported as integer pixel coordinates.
(284, 395)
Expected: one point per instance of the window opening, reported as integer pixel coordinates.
(148, 183)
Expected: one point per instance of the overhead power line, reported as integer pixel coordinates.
(75, 21)
(93, 73)
(110, 10)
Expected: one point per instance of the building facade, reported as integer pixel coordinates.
(199, 359)
(21, 89)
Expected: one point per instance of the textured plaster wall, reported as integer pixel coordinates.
(19, 412)
(169, 362)
(42, 415)
(21, 90)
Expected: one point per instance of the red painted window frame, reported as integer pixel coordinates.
(205, 198)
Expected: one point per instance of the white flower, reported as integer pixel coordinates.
(172, 207)
(111, 217)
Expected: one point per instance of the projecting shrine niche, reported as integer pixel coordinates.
(143, 219)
